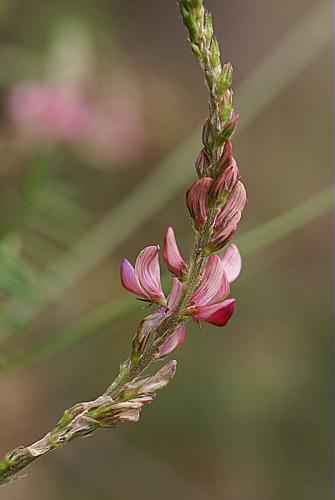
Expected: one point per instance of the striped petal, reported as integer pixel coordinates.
(214, 286)
(196, 198)
(232, 262)
(174, 294)
(147, 272)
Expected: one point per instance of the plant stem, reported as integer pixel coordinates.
(84, 418)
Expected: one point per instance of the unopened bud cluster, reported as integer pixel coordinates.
(219, 188)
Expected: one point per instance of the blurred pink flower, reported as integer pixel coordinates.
(110, 128)
(45, 110)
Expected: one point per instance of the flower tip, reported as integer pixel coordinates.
(171, 255)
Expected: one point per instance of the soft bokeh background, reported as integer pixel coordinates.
(95, 96)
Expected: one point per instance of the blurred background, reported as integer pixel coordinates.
(101, 106)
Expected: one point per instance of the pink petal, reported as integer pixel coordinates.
(174, 294)
(214, 286)
(130, 281)
(216, 314)
(171, 255)
(232, 262)
(196, 198)
(147, 272)
(175, 340)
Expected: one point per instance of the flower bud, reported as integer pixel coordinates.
(207, 135)
(228, 129)
(226, 156)
(225, 79)
(227, 220)
(202, 163)
(225, 182)
(197, 200)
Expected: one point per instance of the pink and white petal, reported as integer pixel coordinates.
(232, 262)
(148, 273)
(215, 314)
(130, 281)
(175, 340)
(171, 255)
(214, 286)
(175, 293)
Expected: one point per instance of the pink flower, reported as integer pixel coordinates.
(196, 198)
(208, 302)
(171, 255)
(144, 281)
(48, 110)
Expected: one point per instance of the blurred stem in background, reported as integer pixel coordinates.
(107, 315)
(294, 53)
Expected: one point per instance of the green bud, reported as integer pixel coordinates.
(208, 27)
(225, 80)
(196, 51)
(215, 54)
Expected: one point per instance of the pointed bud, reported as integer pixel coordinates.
(208, 27)
(207, 136)
(202, 163)
(225, 80)
(229, 129)
(214, 55)
(196, 198)
(226, 156)
(171, 255)
(225, 182)
(227, 220)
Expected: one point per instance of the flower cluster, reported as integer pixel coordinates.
(208, 303)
